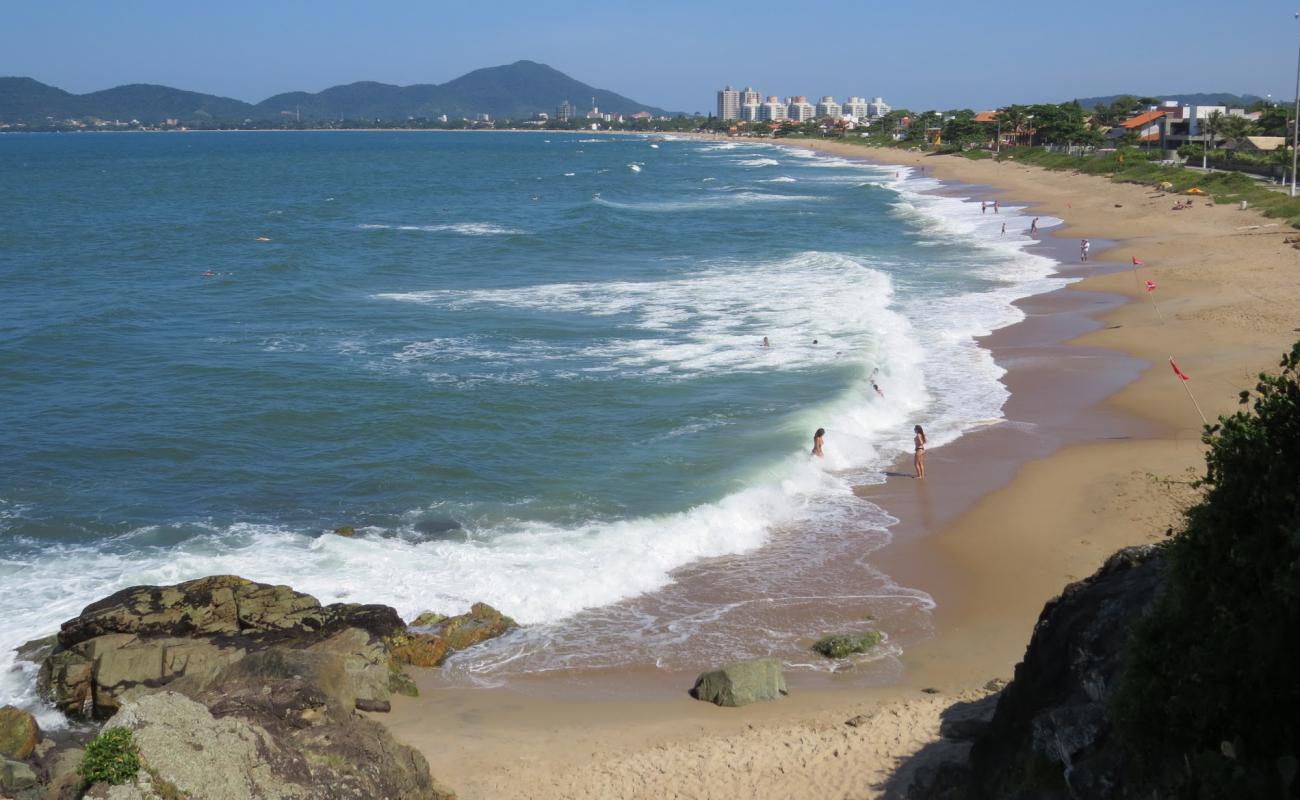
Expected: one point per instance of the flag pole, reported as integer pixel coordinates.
(1191, 396)
(1152, 295)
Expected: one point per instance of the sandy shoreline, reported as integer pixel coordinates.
(1096, 453)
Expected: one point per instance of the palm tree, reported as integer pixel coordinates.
(1014, 118)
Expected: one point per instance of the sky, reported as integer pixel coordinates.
(668, 53)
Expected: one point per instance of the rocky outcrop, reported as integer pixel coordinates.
(431, 638)
(271, 750)
(742, 683)
(144, 638)
(238, 689)
(1050, 736)
(19, 733)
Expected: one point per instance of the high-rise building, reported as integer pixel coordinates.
(751, 112)
(877, 108)
(728, 104)
(749, 96)
(856, 107)
(564, 111)
(773, 110)
(799, 109)
(827, 107)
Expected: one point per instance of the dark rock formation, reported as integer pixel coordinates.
(147, 637)
(236, 689)
(741, 683)
(1050, 737)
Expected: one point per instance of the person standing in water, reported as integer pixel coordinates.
(817, 442)
(765, 344)
(918, 457)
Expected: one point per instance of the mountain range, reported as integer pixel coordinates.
(512, 91)
(1191, 98)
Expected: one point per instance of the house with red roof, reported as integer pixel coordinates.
(1149, 127)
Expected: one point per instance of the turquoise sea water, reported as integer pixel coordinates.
(526, 367)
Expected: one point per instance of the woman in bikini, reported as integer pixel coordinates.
(817, 442)
(918, 459)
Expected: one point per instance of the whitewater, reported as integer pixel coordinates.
(525, 373)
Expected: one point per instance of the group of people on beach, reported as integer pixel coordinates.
(918, 438)
(984, 207)
(918, 448)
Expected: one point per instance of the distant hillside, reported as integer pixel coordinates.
(514, 91)
(1191, 98)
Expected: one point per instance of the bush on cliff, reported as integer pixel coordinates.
(1210, 683)
(111, 757)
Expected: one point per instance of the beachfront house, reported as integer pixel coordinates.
(1149, 126)
(1255, 144)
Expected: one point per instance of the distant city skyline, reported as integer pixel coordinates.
(943, 55)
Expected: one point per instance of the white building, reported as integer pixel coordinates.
(751, 112)
(728, 104)
(827, 107)
(750, 96)
(773, 110)
(856, 107)
(799, 109)
(878, 108)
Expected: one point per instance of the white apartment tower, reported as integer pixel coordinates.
(856, 107)
(751, 112)
(799, 109)
(827, 107)
(750, 96)
(877, 108)
(728, 104)
(772, 111)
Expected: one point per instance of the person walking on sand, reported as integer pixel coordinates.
(1084, 245)
(995, 206)
(918, 457)
(817, 442)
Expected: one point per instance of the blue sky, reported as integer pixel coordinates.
(668, 53)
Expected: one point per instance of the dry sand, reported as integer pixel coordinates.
(1001, 524)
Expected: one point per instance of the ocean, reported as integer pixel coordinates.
(526, 367)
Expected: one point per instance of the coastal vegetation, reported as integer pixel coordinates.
(1209, 684)
(111, 757)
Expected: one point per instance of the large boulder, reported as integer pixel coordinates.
(483, 622)
(15, 776)
(742, 683)
(258, 743)
(144, 638)
(19, 733)
(1050, 736)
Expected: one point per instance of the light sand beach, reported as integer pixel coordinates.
(1099, 452)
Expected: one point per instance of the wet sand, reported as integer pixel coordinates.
(1096, 453)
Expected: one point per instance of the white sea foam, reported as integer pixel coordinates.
(759, 162)
(463, 228)
(731, 197)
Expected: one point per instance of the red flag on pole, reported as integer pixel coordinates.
(1178, 371)
(1151, 286)
(1137, 262)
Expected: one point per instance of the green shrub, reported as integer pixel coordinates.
(1213, 668)
(111, 757)
(846, 644)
